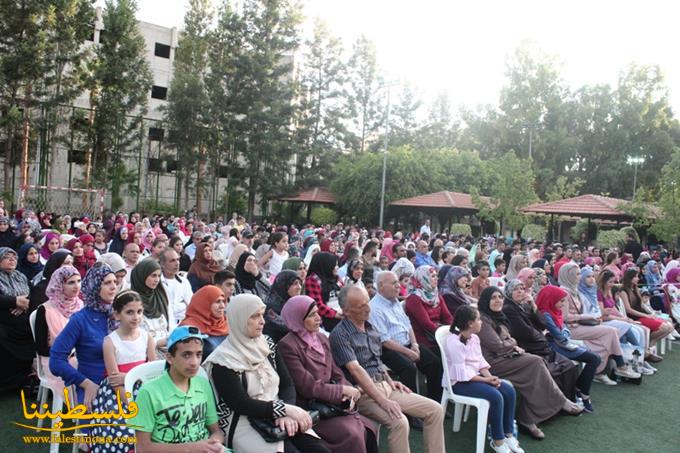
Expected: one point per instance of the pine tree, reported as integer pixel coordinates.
(121, 84)
(320, 119)
(363, 100)
(187, 110)
(23, 42)
(254, 102)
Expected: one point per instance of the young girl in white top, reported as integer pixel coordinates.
(277, 254)
(124, 348)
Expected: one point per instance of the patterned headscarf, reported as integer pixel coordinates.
(12, 283)
(540, 273)
(450, 285)
(403, 266)
(55, 292)
(652, 278)
(90, 288)
(510, 287)
(421, 285)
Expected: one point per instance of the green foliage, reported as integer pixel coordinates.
(121, 80)
(610, 239)
(581, 226)
(323, 216)
(357, 181)
(321, 131)
(187, 110)
(512, 188)
(667, 226)
(461, 229)
(563, 188)
(533, 231)
(363, 103)
(159, 207)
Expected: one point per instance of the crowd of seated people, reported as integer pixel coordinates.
(312, 338)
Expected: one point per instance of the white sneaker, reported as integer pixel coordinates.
(646, 371)
(648, 366)
(502, 448)
(627, 372)
(604, 379)
(513, 444)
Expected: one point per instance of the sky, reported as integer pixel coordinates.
(461, 47)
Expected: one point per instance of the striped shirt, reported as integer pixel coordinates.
(349, 344)
(390, 320)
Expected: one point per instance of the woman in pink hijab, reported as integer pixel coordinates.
(307, 354)
(387, 251)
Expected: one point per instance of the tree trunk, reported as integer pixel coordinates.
(24, 143)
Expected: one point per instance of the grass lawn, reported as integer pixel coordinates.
(628, 418)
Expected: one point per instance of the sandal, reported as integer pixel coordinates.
(533, 430)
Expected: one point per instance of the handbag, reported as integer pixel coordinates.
(327, 410)
(589, 322)
(270, 432)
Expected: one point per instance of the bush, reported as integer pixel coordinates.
(533, 231)
(323, 216)
(461, 229)
(611, 238)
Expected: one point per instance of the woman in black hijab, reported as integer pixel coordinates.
(286, 285)
(541, 398)
(249, 279)
(322, 285)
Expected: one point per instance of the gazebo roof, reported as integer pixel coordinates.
(441, 200)
(589, 206)
(314, 195)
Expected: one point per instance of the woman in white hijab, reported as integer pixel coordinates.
(517, 263)
(251, 381)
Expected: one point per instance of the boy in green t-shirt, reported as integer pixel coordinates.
(176, 411)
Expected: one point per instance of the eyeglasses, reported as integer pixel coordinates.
(194, 330)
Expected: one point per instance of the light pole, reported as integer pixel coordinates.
(635, 161)
(530, 127)
(385, 142)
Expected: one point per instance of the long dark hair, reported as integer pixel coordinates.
(633, 292)
(465, 314)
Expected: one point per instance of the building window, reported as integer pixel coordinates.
(171, 165)
(156, 133)
(162, 50)
(155, 165)
(159, 92)
(76, 156)
(223, 171)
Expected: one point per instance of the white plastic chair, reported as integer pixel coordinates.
(461, 402)
(148, 371)
(46, 387)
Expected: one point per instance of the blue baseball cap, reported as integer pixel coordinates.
(181, 333)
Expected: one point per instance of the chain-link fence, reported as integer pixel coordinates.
(64, 200)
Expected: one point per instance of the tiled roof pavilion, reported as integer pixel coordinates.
(315, 195)
(441, 200)
(587, 206)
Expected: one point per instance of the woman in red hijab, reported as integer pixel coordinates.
(549, 301)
